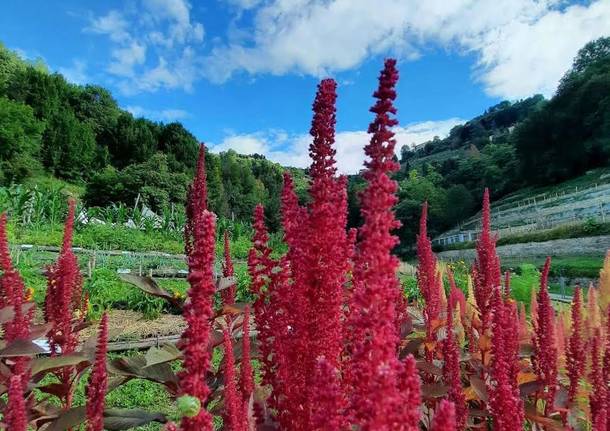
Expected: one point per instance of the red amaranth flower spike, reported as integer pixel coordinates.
(246, 374)
(295, 221)
(452, 372)
(64, 292)
(328, 403)
(15, 414)
(326, 248)
(545, 348)
(505, 404)
(269, 282)
(6, 264)
(456, 296)
(606, 369)
(486, 275)
(444, 418)
(98, 382)
(197, 201)
(233, 419)
(197, 313)
(260, 263)
(599, 391)
(12, 294)
(576, 353)
(428, 280)
(376, 378)
(228, 295)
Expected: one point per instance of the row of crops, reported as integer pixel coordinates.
(36, 206)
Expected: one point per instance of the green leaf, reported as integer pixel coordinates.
(123, 419)
(68, 419)
(225, 282)
(167, 353)
(429, 368)
(479, 387)
(50, 363)
(21, 348)
(434, 390)
(150, 286)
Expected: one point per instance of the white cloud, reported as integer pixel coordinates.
(162, 115)
(113, 24)
(153, 45)
(126, 58)
(294, 150)
(522, 46)
(525, 58)
(181, 29)
(76, 73)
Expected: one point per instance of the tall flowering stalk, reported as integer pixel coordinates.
(197, 201)
(445, 417)
(327, 244)
(16, 416)
(452, 372)
(545, 348)
(594, 317)
(64, 307)
(505, 403)
(384, 391)
(98, 382)
(328, 404)
(606, 368)
(228, 295)
(486, 270)
(233, 417)
(598, 397)
(576, 356)
(318, 260)
(200, 234)
(12, 294)
(296, 233)
(63, 301)
(428, 280)
(260, 266)
(246, 374)
(270, 284)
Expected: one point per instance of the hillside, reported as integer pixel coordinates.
(53, 130)
(537, 210)
(513, 149)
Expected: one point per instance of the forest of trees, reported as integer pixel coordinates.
(79, 134)
(49, 126)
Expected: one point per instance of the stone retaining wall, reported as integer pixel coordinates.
(590, 246)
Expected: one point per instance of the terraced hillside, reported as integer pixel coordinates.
(573, 202)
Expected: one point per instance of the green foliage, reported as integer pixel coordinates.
(413, 192)
(68, 146)
(526, 278)
(575, 267)
(410, 288)
(131, 141)
(106, 291)
(80, 134)
(20, 135)
(570, 133)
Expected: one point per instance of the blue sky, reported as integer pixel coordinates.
(242, 73)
